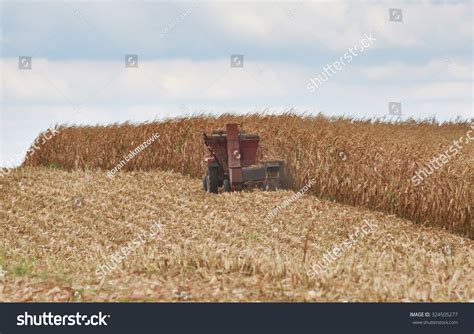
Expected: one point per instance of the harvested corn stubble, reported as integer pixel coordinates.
(209, 247)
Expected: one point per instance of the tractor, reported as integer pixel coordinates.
(232, 164)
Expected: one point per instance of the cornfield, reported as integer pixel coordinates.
(358, 162)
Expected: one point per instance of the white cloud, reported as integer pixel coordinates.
(96, 83)
(437, 69)
(445, 90)
(320, 25)
(82, 81)
(337, 25)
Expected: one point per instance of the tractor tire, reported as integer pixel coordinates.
(212, 181)
(226, 185)
(204, 182)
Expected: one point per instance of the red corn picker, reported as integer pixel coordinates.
(232, 163)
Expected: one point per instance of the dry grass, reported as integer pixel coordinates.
(374, 169)
(213, 247)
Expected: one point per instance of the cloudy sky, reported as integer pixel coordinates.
(419, 55)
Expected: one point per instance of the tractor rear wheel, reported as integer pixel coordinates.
(212, 180)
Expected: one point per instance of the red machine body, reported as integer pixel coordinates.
(232, 163)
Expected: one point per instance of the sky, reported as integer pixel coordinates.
(103, 62)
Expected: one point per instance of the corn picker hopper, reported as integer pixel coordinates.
(232, 163)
